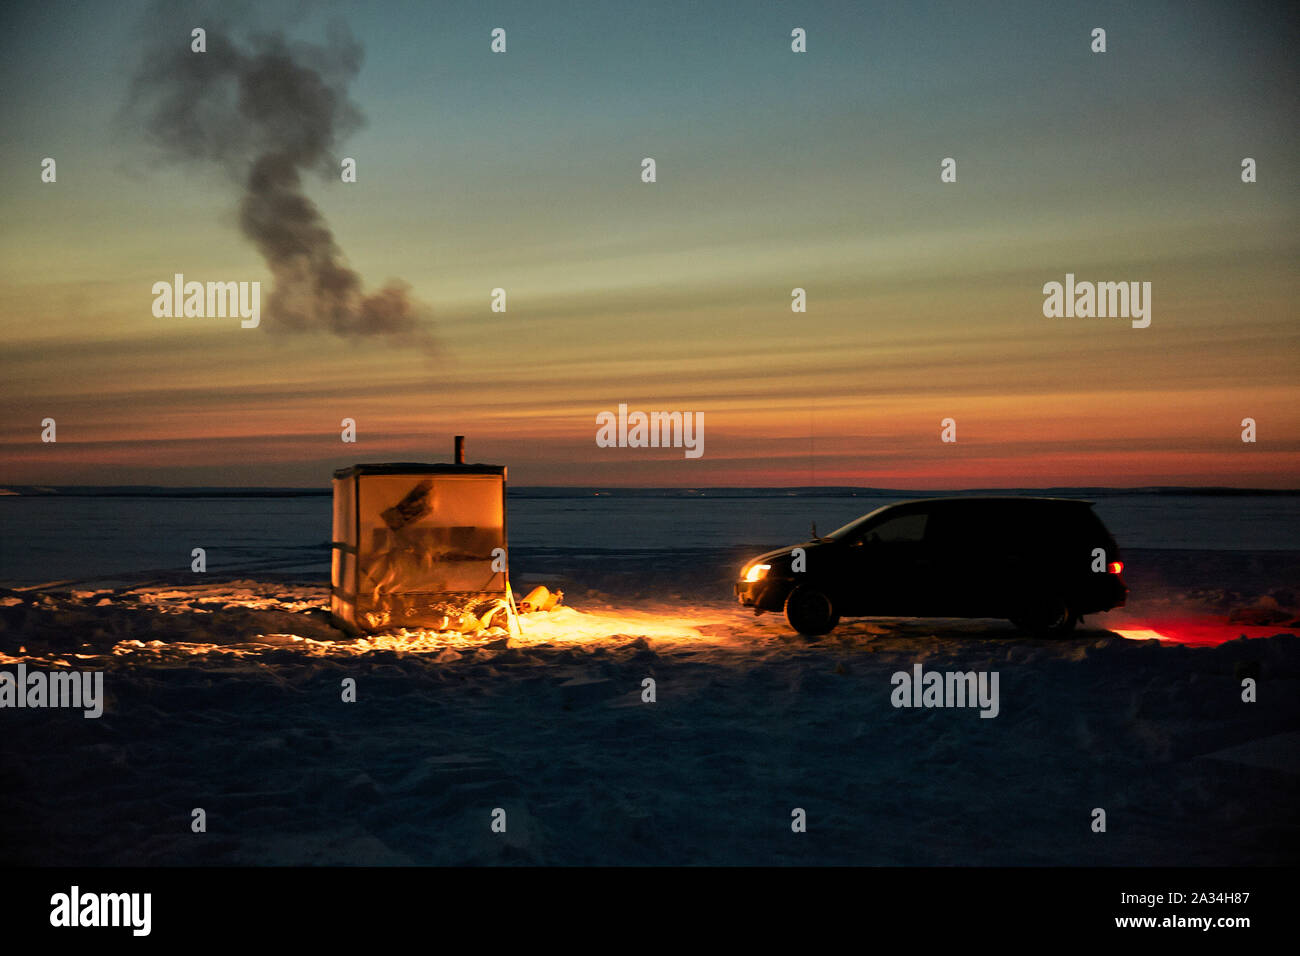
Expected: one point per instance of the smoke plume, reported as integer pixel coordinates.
(267, 112)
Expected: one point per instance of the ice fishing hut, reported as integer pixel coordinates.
(413, 540)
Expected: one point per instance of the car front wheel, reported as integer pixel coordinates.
(810, 612)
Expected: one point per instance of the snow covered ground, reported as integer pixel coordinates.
(226, 695)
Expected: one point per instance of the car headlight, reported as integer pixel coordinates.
(756, 572)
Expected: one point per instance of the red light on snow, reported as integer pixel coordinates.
(1115, 567)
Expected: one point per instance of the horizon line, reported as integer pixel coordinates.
(47, 490)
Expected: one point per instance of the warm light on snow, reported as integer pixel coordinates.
(567, 624)
(564, 625)
(262, 622)
(1140, 634)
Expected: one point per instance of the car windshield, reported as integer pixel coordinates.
(855, 527)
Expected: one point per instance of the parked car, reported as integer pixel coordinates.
(1041, 562)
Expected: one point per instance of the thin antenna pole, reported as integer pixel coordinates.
(812, 458)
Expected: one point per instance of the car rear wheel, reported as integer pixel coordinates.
(810, 612)
(1052, 618)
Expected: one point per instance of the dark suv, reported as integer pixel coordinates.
(1041, 562)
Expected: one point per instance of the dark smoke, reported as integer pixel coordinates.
(266, 112)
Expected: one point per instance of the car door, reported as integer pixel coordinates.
(888, 564)
(950, 586)
(966, 542)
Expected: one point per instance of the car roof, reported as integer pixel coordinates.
(1039, 500)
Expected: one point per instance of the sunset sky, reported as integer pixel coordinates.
(775, 170)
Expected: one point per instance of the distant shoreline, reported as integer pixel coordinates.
(564, 491)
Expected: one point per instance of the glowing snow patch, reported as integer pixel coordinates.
(1140, 634)
(567, 624)
(563, 625)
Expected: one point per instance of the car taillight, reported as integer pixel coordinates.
(1115, 567)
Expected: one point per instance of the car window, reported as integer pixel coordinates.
(853, 530)
(969, 528)
(899, 529)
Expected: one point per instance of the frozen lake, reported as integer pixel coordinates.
(64, 537)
